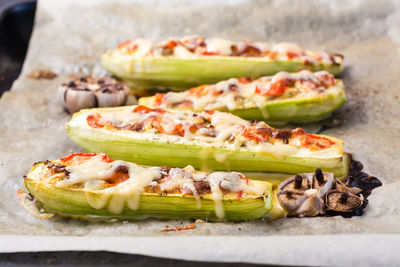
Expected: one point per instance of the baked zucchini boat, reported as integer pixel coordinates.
(284, 97)
(180, 64)
(94, 186)
(209, 140)
(88, 185)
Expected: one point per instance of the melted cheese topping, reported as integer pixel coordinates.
(196, 46)
(91, 175)
(207, 129)
(233, 94)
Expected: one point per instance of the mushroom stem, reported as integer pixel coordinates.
(319, 176)
(298, 180)
(343, 198)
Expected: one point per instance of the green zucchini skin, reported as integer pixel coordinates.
(163, 153)
(280, 112)
(179, 74)
(73, 203)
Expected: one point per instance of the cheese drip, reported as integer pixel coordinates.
(184, 179)
(93, 172)
(229, 181)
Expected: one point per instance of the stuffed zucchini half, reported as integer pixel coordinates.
(300, 97)
(88, 185)
(209, 140)
(180, 64)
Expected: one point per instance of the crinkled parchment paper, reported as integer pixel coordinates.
(69, 38)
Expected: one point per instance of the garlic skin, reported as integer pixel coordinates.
(91, 92)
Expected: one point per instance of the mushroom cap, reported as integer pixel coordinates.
(342, 201)
(291, 199)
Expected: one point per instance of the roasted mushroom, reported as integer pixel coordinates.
(303, 194)
(311, 194)
(342, 201)
(90, 92)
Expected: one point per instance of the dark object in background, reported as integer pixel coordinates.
(16, 22)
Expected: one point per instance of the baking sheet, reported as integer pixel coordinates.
(69, 38)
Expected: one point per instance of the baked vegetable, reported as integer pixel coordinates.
(210, 140)
(191, 61)
(299, 97)
(87, 185)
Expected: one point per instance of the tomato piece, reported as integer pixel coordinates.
(80, 157)
(239, 195)
(316, 142)
(171, 44)
(123, 44)
(144, 110)
(178, 130)
(245, 178)
(245, 80)
(130, 46)
(157, 123)
(94, 121)
(291, 54)
(209, 112)
(256, 134)
(158, 99)
(275, 89)
(199, 91)
(210, 53)
(326, 79)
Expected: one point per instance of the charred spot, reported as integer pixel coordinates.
(137, 127)
(100, 81)
(202, 187)
(107, 91)
(120, 174)
(232, 87)
(283, 134)
(264, 131)
(167, 51)
(31, 197)
(165, 169)
(86, 89)
(71, 84)
(211, 132)
(360, 179)
(245, 50)
(83, 79)
(122, 169)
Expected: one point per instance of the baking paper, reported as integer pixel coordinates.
(70, 36)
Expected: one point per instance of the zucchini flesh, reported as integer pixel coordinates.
(292, 103)
(77, 202)
(175, 151)
(146, 69)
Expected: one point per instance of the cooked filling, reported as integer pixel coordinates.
(99, 173)
(245, 93)
(193, 46)
(210, 126)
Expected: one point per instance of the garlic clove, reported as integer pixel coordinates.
(89, 92)
(75, 100)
